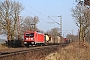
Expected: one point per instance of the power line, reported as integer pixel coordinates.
(34, 9)
(41, 13)
(40, 18)
(29, 12)
(53, 20)
(34, 14)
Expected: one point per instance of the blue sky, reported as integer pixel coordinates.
(45, 8)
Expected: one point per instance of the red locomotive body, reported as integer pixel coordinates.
(33, 38)
(66, 40)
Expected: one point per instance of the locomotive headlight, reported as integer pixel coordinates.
(32, 38)
(26, 38)
(25, 42)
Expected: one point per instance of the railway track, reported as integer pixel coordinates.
(4, 54)
(42, 50)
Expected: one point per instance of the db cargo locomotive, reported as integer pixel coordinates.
(66, 40)
(33, 38)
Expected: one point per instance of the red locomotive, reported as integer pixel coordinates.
(66, 40)
(33, 38)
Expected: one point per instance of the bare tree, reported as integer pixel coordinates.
(29, 23)
(72, 37)
(35, 21)
(9, 12)
(86, 2)
(82, 17)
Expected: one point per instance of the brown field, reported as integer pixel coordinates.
(71, 52)
(3, 47)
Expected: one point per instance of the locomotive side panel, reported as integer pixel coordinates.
(40, 38)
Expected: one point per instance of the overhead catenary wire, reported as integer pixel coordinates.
(39, 18)
(41, 13)
(34, 14)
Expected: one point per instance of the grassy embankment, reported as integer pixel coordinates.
(71, 52)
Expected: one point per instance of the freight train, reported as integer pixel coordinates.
(36, 38)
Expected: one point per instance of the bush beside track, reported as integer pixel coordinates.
(14, 43)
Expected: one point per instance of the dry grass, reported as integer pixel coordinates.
(71, 52)
(2, 46)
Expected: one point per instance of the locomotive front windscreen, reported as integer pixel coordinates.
(29, 34)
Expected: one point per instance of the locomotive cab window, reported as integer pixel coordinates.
(30, 35)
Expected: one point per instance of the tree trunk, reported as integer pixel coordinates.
(8, 31)
(8, 27)
(84, 37)
(81, 34)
